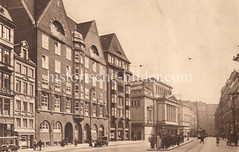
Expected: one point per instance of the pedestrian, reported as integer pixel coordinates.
(76, 142)
(178, 139)
(34, 144)
(40, 143)
(217, 140)
(62, 143)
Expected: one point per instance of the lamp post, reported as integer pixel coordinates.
(92, 90)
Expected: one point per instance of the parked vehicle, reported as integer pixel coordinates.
(101, 141)
(232, 138)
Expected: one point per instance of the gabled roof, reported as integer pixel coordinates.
(40, 7)
(84, 28)
(71, 23)
(110, 43)
(4, 13)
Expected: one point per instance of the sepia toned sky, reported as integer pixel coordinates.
(161, 35)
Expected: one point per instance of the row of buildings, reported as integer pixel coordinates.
(155, 110)
(60, 79)
(53, 83)
(227, 113)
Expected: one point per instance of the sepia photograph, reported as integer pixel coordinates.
(119, 75)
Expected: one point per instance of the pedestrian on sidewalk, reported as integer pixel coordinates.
(218, 140)
(40, 143)
(62, 143)
(34, 144)
(75, 142)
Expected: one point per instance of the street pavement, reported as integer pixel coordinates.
(141, 146)
(208, 146)
(134, 146)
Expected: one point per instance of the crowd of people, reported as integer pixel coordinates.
(165, 141)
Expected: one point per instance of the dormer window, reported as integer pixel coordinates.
(94, 50)
(59, 28)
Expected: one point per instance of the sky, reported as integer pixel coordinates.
(162, 35)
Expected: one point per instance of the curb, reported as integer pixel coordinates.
(170, 148)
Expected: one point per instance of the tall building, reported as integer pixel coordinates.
(227, 113)
(118, 88)
(206, 116)
(24, 101)
(93, 86)
(6, 77)
(154, 109)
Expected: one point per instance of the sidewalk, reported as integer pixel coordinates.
(174, 147)
(79, 146)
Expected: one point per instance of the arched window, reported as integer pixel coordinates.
(94, 50)
(57, 127)
(44, 126)
(59, 27)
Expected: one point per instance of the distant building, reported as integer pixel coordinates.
(154, 110)
(206, 116)
(24, 101)
(6, 76)
(187, 118)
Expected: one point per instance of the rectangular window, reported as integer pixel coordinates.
(1, 54)
(24, 70)
(25, 106)
(45, 62)
(77, 56)
(94, 110)
(45, 41)
(24, 89)
(6, 107)
(127, 89)
(6, 57)
(82, 108)
(120, 101)
(68, 71)
(18, 67)
(44, 101)
(86, 93)
(45, 82)
(57, 66)
(7, 33)
(81, 59)
(76, 89)
(30, 123)
(57, 48)
(68, 53)
(68, 88)
(18, 105)
(120, 88)
(94, 64)
(31, 91)
(86, 78)
(57, 85)
(30, 73)
(24, 123)
(101, 111)
(87, 62)
(31, 107)
(57, 103)
(6, 81)
(18, 86)
(68, 105)
(18, 120)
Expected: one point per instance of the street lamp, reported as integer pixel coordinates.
(92, 92)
